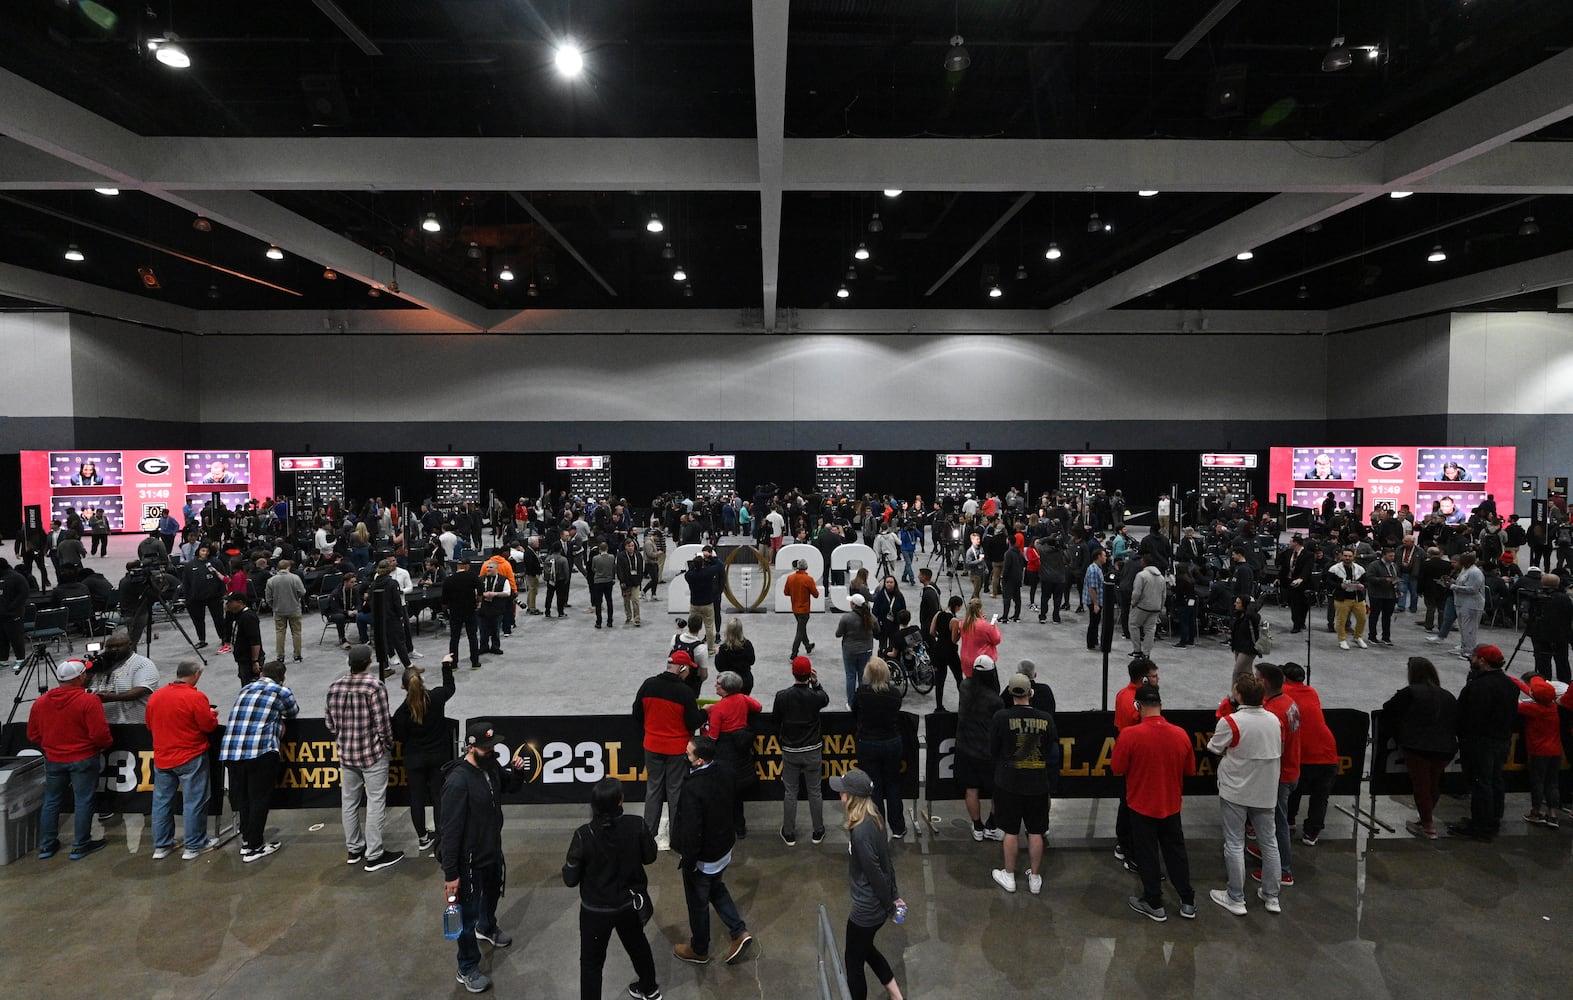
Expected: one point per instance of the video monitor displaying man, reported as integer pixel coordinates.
(1455, 506)
(112, 505)
(218, 468)
(84, 468)
(1314, 498)
(1325, 464)
(1453, 465)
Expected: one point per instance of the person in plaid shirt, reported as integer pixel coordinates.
(359, 720)
(251, 752)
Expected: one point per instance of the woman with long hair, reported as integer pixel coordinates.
(606, 860)
(978, 700)
(736, 654)
(856, 631)
(421, 724)
(1424, 716)
(888, 603)
(859, 584)
(876, 713)
(360, 546)
(871, 880)
(975, 637)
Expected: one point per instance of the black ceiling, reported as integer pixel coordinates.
(1039, 69)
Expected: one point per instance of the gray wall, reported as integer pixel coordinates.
(134, 387)
(35, 380)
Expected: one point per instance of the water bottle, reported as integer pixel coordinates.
(452, 919)
(901, 912)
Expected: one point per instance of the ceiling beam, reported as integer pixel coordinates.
(554, 233)
(81, 296)
(1456, 293)
(1517, 168)
(1491, 119)
(982, 241)
(770, 59)
(23, 168)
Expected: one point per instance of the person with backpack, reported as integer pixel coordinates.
(606, 862)
(690, 640)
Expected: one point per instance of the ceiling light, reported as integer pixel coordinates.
(679, 274)
(1148, 193)
(374, 292)
(532, 291)
(201, 224)
(1437, 254)
(852, 273)
(1108, 227)
(1338, 56)
(569, 59)
(108, 192)
(1399, 195)
(688, 291)
(995, 291)
(654, 225)
(1053, 252)
(876, 224)
(892, 192)
(1372, 52)
(213, 292)
(430, 223)
(1303, 294)
(667, 253)
(274, 253)
(842, 292)
(1314, 227)
(957, 59)
(861, 253)
(74, 253)
(506, 274)
(1244, 255)
(1094, 224)
(474, 251)
(168, 51)
(329, 274)
(1530, 227)
(1021, 272)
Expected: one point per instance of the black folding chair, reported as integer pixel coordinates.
(49, 624)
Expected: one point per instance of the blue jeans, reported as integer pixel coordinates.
(1281, 828)
(882, 760)
(701, 891)
(478, 892)
(1449, 616)
(854, 664)
(81, 778)
(191, 779)
(1408, 592)
(906, 568)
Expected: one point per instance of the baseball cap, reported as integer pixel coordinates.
(1489, 654)
(1020, 685)
(1534, 571)
(480, 732)
(801, 666)
(680, 658)
(854, 782)
(858, 600)
(1541, 690)
(984, 662)
(71, 670)
(1148, 694)
(236, 595)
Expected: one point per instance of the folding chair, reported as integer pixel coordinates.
(50, 623)
(79, 613)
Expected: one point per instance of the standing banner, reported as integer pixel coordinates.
(1390, 777)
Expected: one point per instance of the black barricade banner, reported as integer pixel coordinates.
(1389, 776)
(567, 755)
(309, 777)
(1087, 748)
(126, 783)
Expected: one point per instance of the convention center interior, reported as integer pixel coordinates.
(1077, 489)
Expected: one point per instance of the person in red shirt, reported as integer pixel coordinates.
(727, 722)
(1280, 704)
(1156, 757)
(1318, 756)
(180, 719)
(68, 723)
(1544, 749)
(1143, 672)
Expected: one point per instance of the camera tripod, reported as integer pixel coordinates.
(30, 671)
(154, 595)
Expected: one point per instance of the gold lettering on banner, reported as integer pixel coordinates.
(309, 751)
(1067, 753)
(614, 768)
(1344, 764)
(309, 777)
(146, 782)
(1100, 767)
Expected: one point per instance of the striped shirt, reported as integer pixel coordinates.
(256, 722)
(358, 718)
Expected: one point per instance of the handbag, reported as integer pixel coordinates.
(1264, 640)
(643, 905)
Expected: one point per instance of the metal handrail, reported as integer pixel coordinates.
(830, 968)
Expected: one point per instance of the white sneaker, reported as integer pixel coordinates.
(1432, 638)
(1273, 905)
(1034, 883)
(1343, 644)
(1219, 896)
(663, 844)
(993, 833)
(1004, 879)
(1362, 644)
(160, 853)
(193, 853)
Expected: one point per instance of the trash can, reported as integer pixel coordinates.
(21, 799)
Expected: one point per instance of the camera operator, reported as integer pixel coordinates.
(1550, 626)
(153, 552)
(140, 579)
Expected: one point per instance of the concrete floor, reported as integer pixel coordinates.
(1390, 917)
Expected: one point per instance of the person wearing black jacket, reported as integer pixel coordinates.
(13, 608)
(630, 577)
(461, 599)
(1297, 581)
(974, 768)
(1551, 627)
(386, 603)
(1424, 719)
(703, 835)
(203, 587)
(796, 713)
(1487, 708)
(876, 726)
(470, 844)
(606, 860)
(344, 604)
(421, 724)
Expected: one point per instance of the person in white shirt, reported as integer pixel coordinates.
(324, 540)
(449, 542)
(1250, 741)
(1348, 598)
(1165, 513)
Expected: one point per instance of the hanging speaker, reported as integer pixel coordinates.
(1226, 92)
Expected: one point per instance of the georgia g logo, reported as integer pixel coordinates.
(153, 466)
(1387, 462)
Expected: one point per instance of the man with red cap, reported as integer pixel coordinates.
(1487, 706)
(796, 711)
(668, 711)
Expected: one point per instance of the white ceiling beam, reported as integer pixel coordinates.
(23, 168)
(53, 125)
(1518, 106)
(1456, 293)
(770, 59)
(1033, 321)
(1537, 168)
(81, 296)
